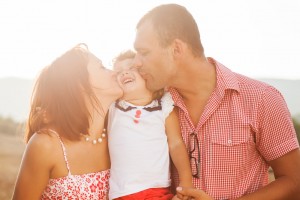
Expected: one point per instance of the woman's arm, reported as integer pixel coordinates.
(35, 168)
(178, 151)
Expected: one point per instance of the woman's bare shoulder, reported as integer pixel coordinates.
(43, 145)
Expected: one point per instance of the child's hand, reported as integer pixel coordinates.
(194, 193)
(181, 196)
(175, 198)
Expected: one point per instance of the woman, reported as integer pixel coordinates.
(67, 154)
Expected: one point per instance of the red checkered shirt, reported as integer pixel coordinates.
(245, 124)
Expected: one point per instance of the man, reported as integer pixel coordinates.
(234, 127)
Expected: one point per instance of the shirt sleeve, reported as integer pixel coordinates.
(167, 104)
(277, 133)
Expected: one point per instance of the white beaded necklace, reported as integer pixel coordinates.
(97, 140)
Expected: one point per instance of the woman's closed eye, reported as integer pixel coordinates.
(103, 67)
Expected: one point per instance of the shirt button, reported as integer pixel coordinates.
(229, 141)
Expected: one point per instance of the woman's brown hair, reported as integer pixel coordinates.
(59, 96)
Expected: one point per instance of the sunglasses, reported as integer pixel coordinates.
(195, 161)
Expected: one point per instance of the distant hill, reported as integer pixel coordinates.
(290, 89)
(16, 92)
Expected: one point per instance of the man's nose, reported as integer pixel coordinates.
(137, 62)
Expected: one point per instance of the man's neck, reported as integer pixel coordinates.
(196, 80)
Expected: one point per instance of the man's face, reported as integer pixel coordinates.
(154, 62)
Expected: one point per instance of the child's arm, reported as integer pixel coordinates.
(178, 150)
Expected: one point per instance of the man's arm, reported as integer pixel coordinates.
(286, 185)
(287, 179)
(277, 143)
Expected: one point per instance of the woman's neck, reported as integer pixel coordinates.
(97, 123)
(97, 117)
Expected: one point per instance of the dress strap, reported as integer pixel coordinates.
(64, 150)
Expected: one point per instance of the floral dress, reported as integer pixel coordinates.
(90, 186)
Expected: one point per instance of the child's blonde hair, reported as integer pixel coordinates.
(129, 54)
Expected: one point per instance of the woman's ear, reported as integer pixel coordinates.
(46, 118)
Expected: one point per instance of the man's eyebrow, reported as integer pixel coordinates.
(140, 49)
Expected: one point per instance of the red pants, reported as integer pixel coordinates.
(149, 194)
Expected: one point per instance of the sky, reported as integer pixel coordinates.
(257, 38)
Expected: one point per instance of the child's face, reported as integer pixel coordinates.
(129, 79)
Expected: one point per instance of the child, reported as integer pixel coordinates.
(143, 129)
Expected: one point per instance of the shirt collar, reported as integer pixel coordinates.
(226, 80)
(126, 106)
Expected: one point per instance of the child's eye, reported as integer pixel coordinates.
(133, 68)
(118, 71)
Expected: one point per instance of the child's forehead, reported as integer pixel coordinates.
(123, 64)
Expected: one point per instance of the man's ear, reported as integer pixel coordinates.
(179, 47)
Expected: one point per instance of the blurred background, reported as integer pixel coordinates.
(257, 38)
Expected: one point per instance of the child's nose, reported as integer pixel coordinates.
(124, 72)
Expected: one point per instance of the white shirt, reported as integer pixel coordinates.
(138, 148)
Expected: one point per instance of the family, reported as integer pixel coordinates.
(166, 123)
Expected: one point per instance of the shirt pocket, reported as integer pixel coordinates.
(230, 150)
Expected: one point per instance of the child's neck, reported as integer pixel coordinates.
(141, 100)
